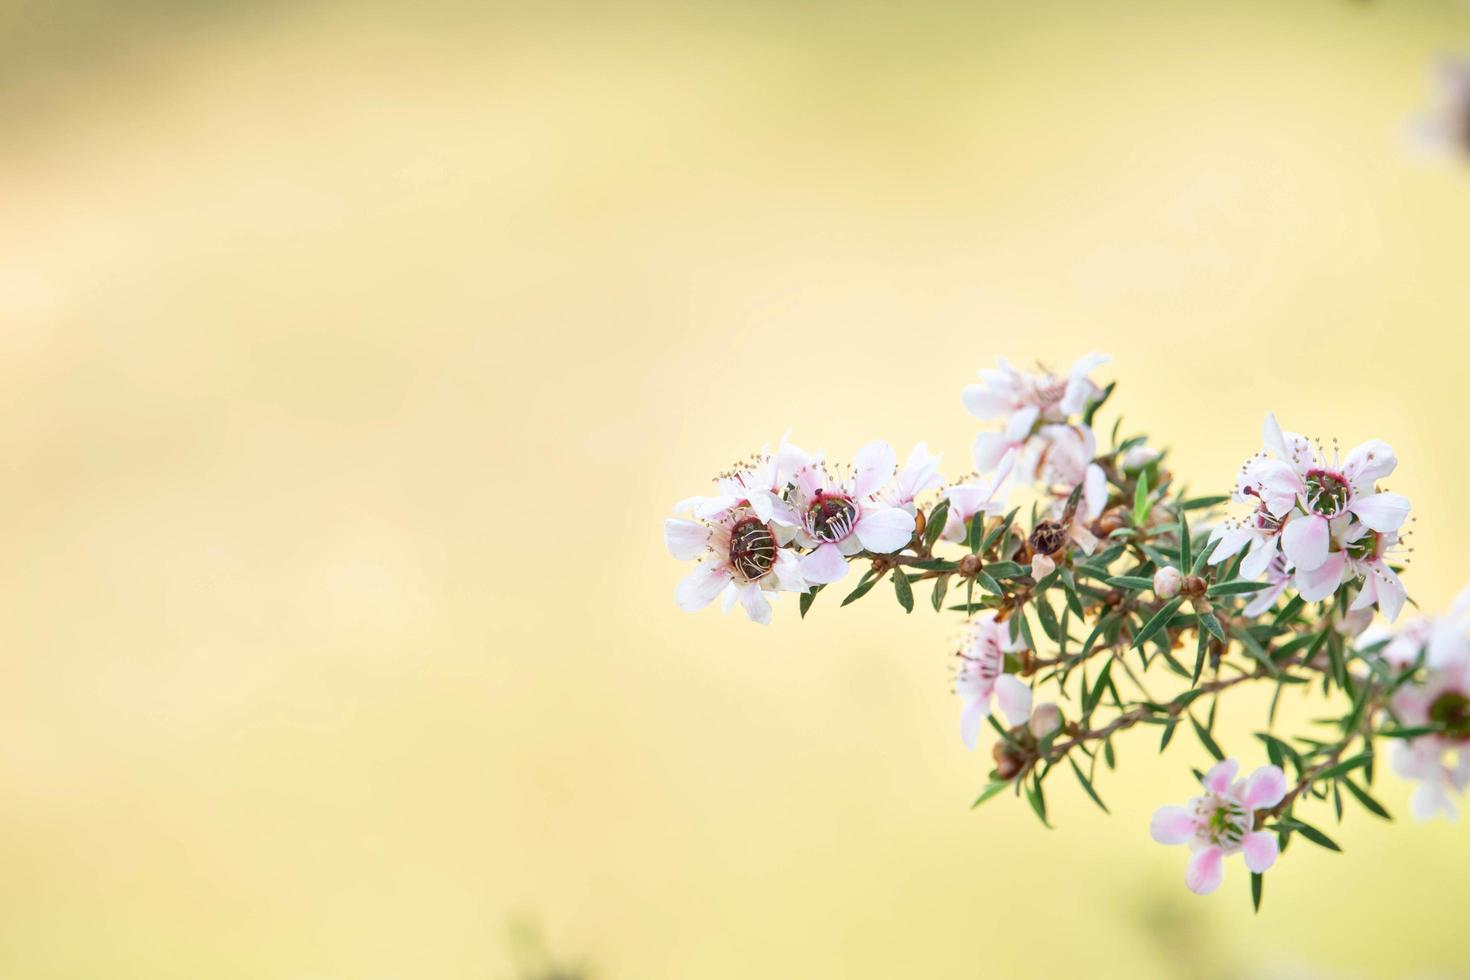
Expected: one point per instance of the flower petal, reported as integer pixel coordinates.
(1258, 559)
(1094, 491)
(1260, 851)
(1305, 541)
(824, 566)
(989, 449)
(987, 403)
(685, 539)
(1221, 775)
(1322, 581)
(1205, 871)
(1381, 511)
(1172, 825)
(1264, 788)
(971, 718)
(872, 467)
(1014, 698)
(700, 587)
(1367, 464)
(885, 529)
(757, 606)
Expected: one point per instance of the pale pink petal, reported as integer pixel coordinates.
(986, 403)
(989, 449)
(1232, 538)
(971, 718)
(1367, 464)
(872, 467)
(1381, 511)
(1264, 600)
(1256, 561)
(920, 472)
(1264, 788)
(1018, 426)
(715, 506)
(1431, 800)
(1391, 593)
(1272, 438)
(1094, 491)
(823, 566)
(700, 587)
(1088, 363)
(884, 529)
(1280, 485)
(757, 606)
(1305, 541)
(685, 539)
(1172, 825)
(1205, 871)
(1221, 775)
(1014, 698)
(1260, 851)
(1322, 581)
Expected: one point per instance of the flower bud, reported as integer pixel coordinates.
(1008, 762)
(1167, 582)
(1137, 457)
(970, 566)
(1045, 719)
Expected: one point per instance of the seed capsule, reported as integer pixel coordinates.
(752, 548)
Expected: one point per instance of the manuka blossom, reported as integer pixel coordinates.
(1439, 699)
(982, 676)
(841, 517)
(1022, 399)
(1221, 821)
(1325, 515)
(920, 472)
(739, 555)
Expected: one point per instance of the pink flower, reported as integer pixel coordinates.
(1221, 822)
(843, 517)
(739, 555)
(1023, 398)
(758, 483)
(1439, 762)
(1326, 516)
(982, 675)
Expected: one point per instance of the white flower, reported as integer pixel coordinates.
(1221, 822)
(738, 555)
(1024, 398)
(1325, 515)
(843, 517)
(982, 676)
(920, 472)
(758, 483)
(1439, 762)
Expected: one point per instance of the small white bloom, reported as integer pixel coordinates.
(843, 517)
(1221, 822)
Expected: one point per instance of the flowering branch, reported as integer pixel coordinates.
(1117, 581)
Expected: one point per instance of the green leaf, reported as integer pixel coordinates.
(1206, 740)
(807, 598)
(1313, 834)
(977, 532)
(1096, 403)
(904, 590)
(998, 530)
(1037, 798)
(1258, 885)
(1048, 617)
(863, 587)
(1209, 622)
(1238, 587)
(1184, 556)
(1168, 734)
(1157, 622)
(1006, 569)
(1140, 500)
(988, 583)
(995, 787)
(934, 522)
(941, 586)
(1369, 803)
(1094, 695)
(1197, 503)
(1087, 785)
(1134, 583)
(1346, 766)
(1414, 732)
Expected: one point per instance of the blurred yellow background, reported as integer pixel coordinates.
(354, 352)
